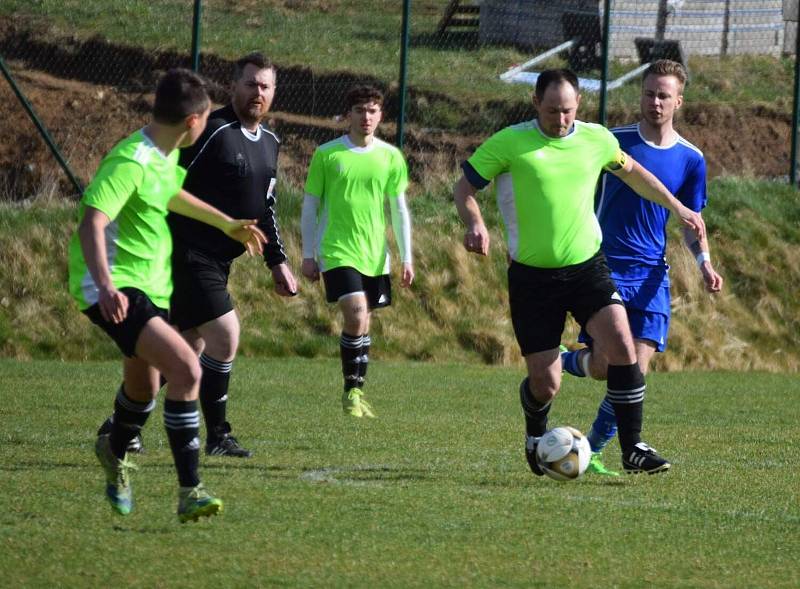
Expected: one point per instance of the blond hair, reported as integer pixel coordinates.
(667, 67)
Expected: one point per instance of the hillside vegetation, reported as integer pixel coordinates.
(457, 308)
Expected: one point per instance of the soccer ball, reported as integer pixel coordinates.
(563, 453)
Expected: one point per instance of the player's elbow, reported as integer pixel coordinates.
(462, 190)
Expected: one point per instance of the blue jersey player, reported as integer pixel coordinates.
(634, 235)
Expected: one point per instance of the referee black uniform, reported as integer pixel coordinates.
(234, 170)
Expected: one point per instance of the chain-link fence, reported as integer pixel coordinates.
(88, 69)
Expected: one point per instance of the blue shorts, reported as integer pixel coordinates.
(648, 308)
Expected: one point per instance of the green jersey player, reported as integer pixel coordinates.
(344, 231)
(120, 277)
(545, 173)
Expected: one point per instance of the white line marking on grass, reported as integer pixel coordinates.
(333, 475)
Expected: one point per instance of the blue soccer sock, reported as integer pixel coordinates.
(573, 363)
(604, 427)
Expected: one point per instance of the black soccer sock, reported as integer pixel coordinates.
(535, 412)
(350, 350)
(214, 394)
(626, 393)
(182, 421)
(364, 363)
(127, 421)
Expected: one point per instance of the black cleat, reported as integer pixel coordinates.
(135, 446)
(643, 458)
(530, 454)
(225, 444)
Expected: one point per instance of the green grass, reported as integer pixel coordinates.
(452, 86)
(434, 493)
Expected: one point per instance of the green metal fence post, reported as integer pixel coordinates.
(604, 74)
(198, 9)
(795, 112)
(42, 129)
(401, 108)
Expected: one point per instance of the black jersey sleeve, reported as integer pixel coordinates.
(274, 253)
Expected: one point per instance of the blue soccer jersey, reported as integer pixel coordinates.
(635, 229)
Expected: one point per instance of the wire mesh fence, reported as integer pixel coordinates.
(88, 69)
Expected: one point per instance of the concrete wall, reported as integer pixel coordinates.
(751, 26)
(791, 14)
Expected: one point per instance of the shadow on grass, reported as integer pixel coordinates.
(42, 464)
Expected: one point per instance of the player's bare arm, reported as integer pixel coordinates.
(244, 231)
(651, 188)
(285, 282)
(476, 237)
(407, 277)
(700, 250)
(310, 269)
(92, 234)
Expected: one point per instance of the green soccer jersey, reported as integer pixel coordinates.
(352, 184)
(545, 189)
(132, 187)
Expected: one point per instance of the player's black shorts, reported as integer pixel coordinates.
(140, 310)
(199, 287)
(540, 299)
(345, 280)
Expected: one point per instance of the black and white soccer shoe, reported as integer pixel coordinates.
(531, 442)
(224, 444)
(643, 458)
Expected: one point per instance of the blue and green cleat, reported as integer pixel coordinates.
(196, 502)
(596, 466)
(118, 485)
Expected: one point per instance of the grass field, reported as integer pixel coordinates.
(434, 493)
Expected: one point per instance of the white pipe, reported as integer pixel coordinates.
(549, 53)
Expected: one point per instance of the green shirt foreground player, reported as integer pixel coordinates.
(344, 231)
(120, 276)
(545, 172)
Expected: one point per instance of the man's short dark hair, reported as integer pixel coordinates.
(255, 58)
(362, 94)
(558, 76)
(179, 93)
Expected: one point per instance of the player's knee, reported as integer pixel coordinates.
(355, 322)
(184, 373)
(224, 348)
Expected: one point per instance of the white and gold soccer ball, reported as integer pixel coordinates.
(563, 453)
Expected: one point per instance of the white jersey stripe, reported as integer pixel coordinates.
(210, 137)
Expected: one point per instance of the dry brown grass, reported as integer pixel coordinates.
(457, 310)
